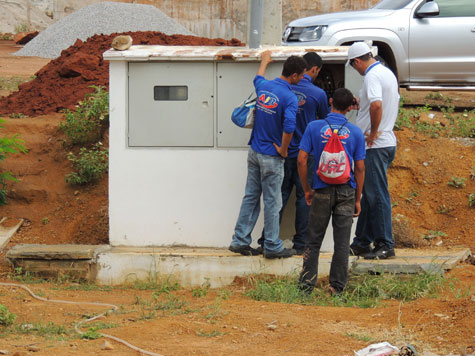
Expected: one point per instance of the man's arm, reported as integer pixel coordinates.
(265, 60)
(359, 177)
(283, 149)
(303, 173)
(376, 114)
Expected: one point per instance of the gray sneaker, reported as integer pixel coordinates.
(285, 253)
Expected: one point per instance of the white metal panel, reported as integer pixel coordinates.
(171, 123)
(234, 84)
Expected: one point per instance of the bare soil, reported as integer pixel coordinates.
(57, 213)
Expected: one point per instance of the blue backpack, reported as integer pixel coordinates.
(244, 115)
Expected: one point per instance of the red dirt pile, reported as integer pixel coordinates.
(67, 79)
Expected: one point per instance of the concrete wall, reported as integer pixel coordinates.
(221, 18)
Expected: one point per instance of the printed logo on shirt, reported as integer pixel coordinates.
(326, 132)
(301, 97)
(267, 100)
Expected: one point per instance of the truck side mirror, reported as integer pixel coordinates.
(428, 9)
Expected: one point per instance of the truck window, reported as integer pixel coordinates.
(391, 4)
(456, 8)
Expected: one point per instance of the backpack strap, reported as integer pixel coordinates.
(341, 126)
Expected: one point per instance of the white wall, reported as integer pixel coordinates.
(164, 196)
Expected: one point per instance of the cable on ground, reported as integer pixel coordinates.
(112, 308)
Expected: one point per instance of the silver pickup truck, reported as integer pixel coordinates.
(429, 44)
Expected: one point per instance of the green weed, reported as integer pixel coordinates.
(90, 165)
(171, 303)
(159, 285)
(23, 276)
(201, 291)
(12, 83)
(214, 311)
(45, 221)
(91, 333)
(364, 291)
(17, 116)
(457, 182)
(21, 27)
(224, 293)
(8, 146)
(461, 124)
(471, 200)
(359, 337)
(84, 125)
(433, 234)
(6, 37)
(443, 209)
(213, 333)
(40, 329)
(6, 318)
(434, 96)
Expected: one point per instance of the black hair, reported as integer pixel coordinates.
(293, 65)
(342, 99)
(366, 56)
(313, 60)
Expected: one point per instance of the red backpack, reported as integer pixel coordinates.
(334, 166)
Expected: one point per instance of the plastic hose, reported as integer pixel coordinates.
(112, 308)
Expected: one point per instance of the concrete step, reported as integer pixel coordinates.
(194, 266)
(46, 261)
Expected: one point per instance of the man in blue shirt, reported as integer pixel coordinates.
(276, 109)
(341, 202)
(313, 104)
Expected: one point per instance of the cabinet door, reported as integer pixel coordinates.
(171, 104)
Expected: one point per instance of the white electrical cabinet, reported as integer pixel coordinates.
(177, 164)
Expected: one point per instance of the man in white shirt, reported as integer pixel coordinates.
(378, 109)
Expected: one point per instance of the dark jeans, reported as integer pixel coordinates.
(338, 202)
(291, 179)
(374, 223)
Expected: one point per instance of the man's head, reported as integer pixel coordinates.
(314, 64)
(359, 56)
(294, 68)
(342, 100)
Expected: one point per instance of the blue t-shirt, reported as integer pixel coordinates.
(313, 103)
(276, 109)
(318, 133)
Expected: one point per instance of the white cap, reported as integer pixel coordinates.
(356, 50)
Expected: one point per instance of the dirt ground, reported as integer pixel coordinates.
(56, 213)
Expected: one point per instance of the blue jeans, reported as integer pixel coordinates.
(264, 175)
(338, 202)
(374, 223)
(291, 179)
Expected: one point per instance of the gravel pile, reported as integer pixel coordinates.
(100, 18)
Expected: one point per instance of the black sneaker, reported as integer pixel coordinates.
(299, 251)
(381, 253)
(285, 253)
(244, 250)
(356, 250)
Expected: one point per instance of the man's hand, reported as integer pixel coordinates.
(356, 104)
(280, 151)
(357, 209)
(266, 56)
(371, 137)
(309, 196)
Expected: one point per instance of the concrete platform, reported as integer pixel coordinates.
(413, 261)
(194, 266)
